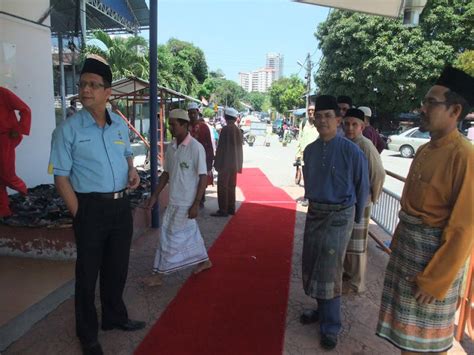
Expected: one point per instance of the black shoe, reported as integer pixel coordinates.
(92, 349)
(219, 213)
(231, 212)
(309, 316)
(128, 326)
(328, 341)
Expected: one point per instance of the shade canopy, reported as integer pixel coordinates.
(389, 8)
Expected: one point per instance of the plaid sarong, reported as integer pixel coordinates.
(326, 234)
(402, 321)
(358, 243)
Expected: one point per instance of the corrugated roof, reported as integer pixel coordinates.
(107, 15)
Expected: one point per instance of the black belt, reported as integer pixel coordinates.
(105, 195)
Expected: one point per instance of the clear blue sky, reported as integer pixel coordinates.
(235, 35)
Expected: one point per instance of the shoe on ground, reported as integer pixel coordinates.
(127, 326)
(309, 316)
(92, 349)
(328, 341)
(219, 213)
(305, 203)
(231, 212)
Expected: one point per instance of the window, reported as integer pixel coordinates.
(419, 134)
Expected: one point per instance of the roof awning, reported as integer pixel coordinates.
(129, 88)
(390, 8)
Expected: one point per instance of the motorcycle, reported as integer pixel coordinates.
(249, 138)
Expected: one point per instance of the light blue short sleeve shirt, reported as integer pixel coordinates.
(94, 158)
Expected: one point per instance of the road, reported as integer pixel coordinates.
(277, 163)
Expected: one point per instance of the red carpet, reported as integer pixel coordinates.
(238, 306)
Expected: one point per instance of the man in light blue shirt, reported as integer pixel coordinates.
(92, 165)
(337, 186)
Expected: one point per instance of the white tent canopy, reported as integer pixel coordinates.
(389, 8)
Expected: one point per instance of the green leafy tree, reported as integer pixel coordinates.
(465, 62)
(287, 94)
(126, 56)
(256, 100)
(192, 55)
(222, 91)
(383, 64)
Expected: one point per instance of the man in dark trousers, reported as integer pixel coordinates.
(228, 162)
(337, 186)
(92, 163)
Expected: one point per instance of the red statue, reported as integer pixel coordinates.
(11, 134)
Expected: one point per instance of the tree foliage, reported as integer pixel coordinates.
(126, 56)
(465, 62)
(383, 64)
(190, 54)
(256, 100)
(287, 94)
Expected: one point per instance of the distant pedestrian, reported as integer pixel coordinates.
(308, 134)
(11, 134)
(228, 162)
(370, 132)
(344, 103)
(181, 244)
(356, 255)
(72, 109)
(337, 186)
(92, 163)
(435, 234)
(201, 132)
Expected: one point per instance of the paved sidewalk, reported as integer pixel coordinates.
(55, 334)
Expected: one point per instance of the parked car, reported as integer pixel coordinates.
(408, 142)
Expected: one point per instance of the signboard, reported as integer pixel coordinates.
(258, 129)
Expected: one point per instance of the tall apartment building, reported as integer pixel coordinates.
(275, 61)
(261, 79)
(245, 81)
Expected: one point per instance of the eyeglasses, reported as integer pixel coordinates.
(327, 115)
(93, 85)
(428, 101)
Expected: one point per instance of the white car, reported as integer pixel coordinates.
(408, 142)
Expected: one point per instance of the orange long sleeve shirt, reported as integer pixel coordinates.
(439, 190)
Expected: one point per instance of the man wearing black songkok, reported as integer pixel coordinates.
(435, 234)
(92, 163)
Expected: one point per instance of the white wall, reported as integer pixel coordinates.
(32, 81)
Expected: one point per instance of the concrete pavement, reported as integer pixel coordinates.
(55, 334)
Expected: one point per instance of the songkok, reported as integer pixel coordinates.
(231, 112)
(97, 65)
(326, 102)
(179, 114)
(356, 113)
(366, 110)
(344, 100)
(458, 81)
(193, 106)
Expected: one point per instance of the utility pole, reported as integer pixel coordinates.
(309, 68)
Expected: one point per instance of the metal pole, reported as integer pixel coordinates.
(153, 105)
(308, 80)
(62, 82)
(83, 22)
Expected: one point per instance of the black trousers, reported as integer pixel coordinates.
(103, 231)
(226, 181)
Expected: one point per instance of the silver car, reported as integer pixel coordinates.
(408, 142)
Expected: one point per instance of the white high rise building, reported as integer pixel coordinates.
(261, 79)
(245, 81)
(275, 61)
